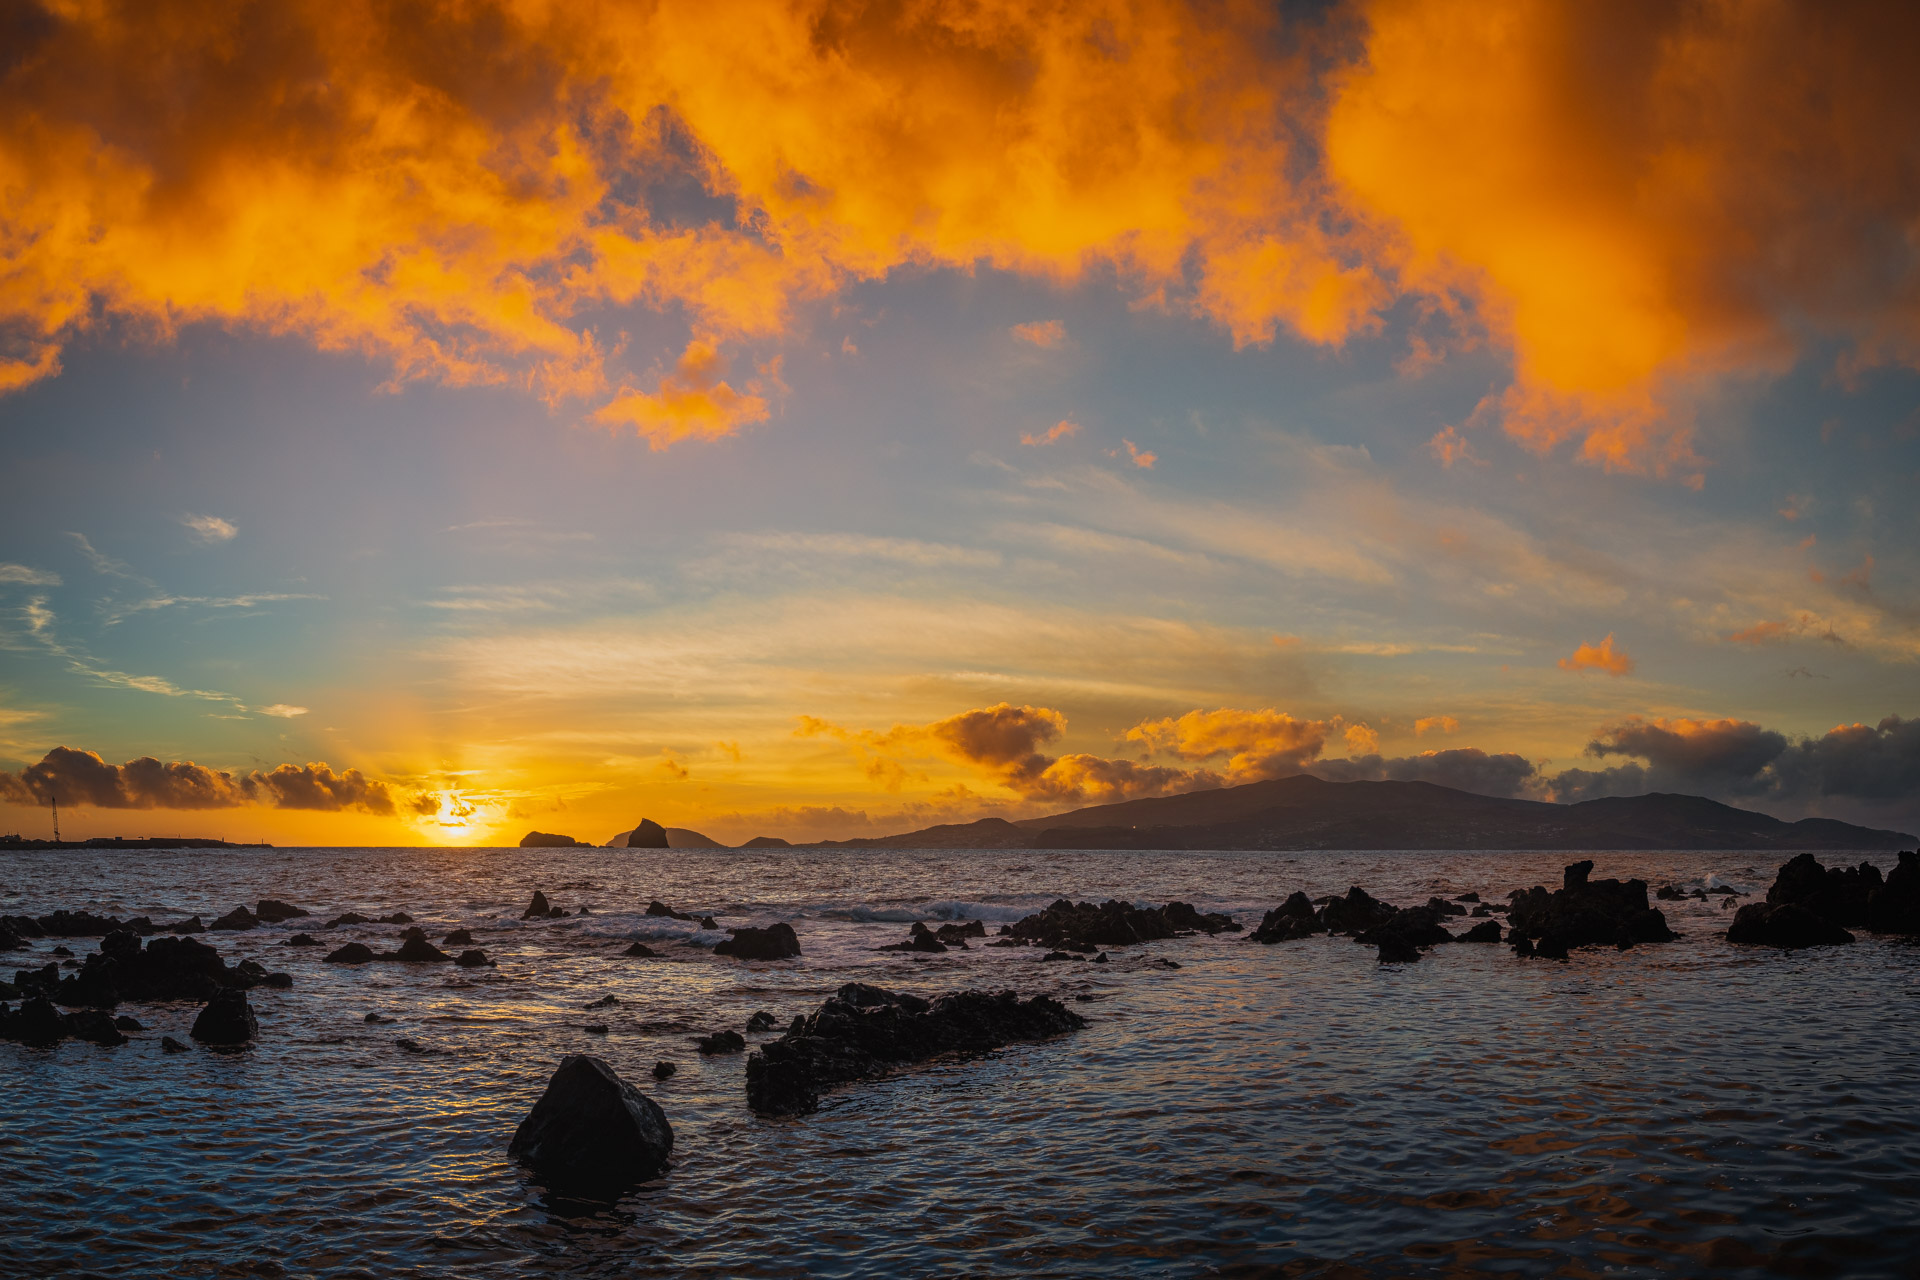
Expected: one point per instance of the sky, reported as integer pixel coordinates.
(428, 423)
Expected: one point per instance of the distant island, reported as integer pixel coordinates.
(132, 842)
(1305, 812)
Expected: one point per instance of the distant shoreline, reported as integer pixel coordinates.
(139, 842)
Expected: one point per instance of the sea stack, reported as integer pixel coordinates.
(647, 834)
(591, 1133)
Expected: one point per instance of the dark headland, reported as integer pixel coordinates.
(1305, 812)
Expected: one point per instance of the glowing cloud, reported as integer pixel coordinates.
(1042, 333)
(83, 778)
(1598, 657)
(1444, 724)
(210, 529)
(1052, 435)
(1140, 457)
(691, 402)
(1257, 744)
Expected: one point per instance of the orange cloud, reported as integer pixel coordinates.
(1257, 744)
(1598, 657)
(1361, 740)
(1042, 333)
(1445, 724)
(693, 401)
(1761, 633)
(1053, 434)
(1139, 457)
(1450, 447)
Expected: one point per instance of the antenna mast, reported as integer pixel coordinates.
(56, 818)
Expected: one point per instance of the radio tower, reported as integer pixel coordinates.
(56, 818)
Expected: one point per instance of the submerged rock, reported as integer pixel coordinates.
(473, 958)
(863, 1032)
(1440, 906)
(1288, 922)
(398, 917)
(1082, 926)
(302, 940)
(775, 942)
(591, 1133)
(349, 918)
(1397, 949)
(639, 949)
(721, 1042)
(273, 911)
(761, 1021)
(458, 938)
(169, 1045)
(226, 1019)
(352, 953)
(1585, 913)
(1788, 925)
(663, 1070)
(659, 908)
(604, 1002)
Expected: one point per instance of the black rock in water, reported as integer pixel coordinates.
(1440, 906)
(538, 909)
(1082, 926)
(958, 933)
(170, 1045)
(662, 1070)
(351, 917)
(352, 953)
(863, 1032)
(36, 1023)
(472, 958)
(708, 922)
(591, 1133)
(94, 1027)
(128, 1024)
(647, 834)
(24, 926)
(458, 938)
(302, 940)
(721, 1042)
(1585, 913)
(415, 949)
(236, 920)
(1397, 948)
(919, 938)
(226, 1019)
(1358, 912)
(1468, 896)
(1895, 906)
(775, 942)
(165, 969)
(1838, 895)
(1485, 931)
(639, 949)
(762, 1021)
(550, 840)
(272, 911)
(1291, 920)
(77, 924)
(604, 1002)
(659, 908)
(1788, 925)
(398, 917)
(1414, 927)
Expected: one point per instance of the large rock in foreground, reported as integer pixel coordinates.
(1895, 906)
(1787, 925)
(1584, 913)
(591, 1133)
(775, 942)
(864, 1032)
(1838, 895)
(164, 969)
(226, 1020)
(1082, 926)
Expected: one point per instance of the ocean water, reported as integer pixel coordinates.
(1295, 1110)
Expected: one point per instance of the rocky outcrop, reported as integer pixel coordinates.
(1838, 895)
(273, 911)
(767, 842)
(1082, 926)
(75, 924)
(474, 958)
(458, 938)
(721, 1042)
(663, 911)
(1358, 912)
(236, 920)
(591, 1133)
(348, 918)
(352, 953)
(640, 950)
(863, 1032)
(38, 1023)
(1584, 913)
(540, 909)
(1404, 934)
(959, 931)
(761, 1021)
(647, 834)
(548, 840)
(920, 938)
(1485, 931)
(1787, 925)
(227, 1019)
(415, 949)
(775, 942)
(163, 969)
(1291, 920)
(1895, 906)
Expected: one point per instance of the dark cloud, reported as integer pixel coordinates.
(1464, 768)
(83, 778)
(1701, 753)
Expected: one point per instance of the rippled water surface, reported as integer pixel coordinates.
(1287, 1110)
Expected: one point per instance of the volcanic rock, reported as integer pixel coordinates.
(236, 920)
(1414, 927)
(170, 1045)
(165, 969)
(415, 949)
(1669, 893)
(1838, 895)
(472, 958)
(398, 917)
(352, 953)
(1468, 896)
(458, 938)
(591, 1133)
(708, 922)
(1396, 948)
(302, 940)
(639, 949)
(226, 1019)
(919, 938)
(25, 926)
(1287, 922)
(662, 1070)
(961, 931)
(1585, 913)
(1895, 906)
(596, 1028)
(647, 834)
(1486, 931)
(538, 909)
(77, 924)
(1440, 906)
(272, 911)
(1787, 925)
(1355, 913)
(604, 1002)
(775, 942)
(94, 1027)
(761, 1021)
(1082, 926)
(548, 840)
(863, 1032)
(659, 908)
(721, 1042)
(351, 917)
(37, 1022)
(126, 1023)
